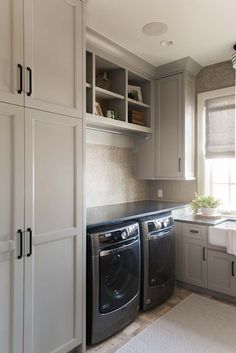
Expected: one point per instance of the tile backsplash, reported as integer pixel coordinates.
(173, 190)
(110, 176)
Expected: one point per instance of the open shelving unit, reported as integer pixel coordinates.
(143, 106)
(107, 86)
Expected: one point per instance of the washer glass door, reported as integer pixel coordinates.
(119, 276)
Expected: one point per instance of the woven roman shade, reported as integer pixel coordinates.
(220, 127)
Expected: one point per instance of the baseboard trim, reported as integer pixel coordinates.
(206, 291)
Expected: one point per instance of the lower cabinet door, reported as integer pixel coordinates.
(219, 275)
(53, 219)
(178, 251)
(233, 275)
(11, 227)
(194, 262)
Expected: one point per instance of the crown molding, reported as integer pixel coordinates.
(105, 47)
(110, 50)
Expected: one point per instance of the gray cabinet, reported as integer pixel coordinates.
(199, 265)
(233, 275)
(42, 55)
(11, 44)
(169, 134)
(178, 252)
(175, 127)
(172, 152)
(194, 262)
(221, 272)
(53, 50)
(194, 254)
(41, 178)
(191, 254)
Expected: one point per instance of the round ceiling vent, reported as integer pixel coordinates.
(155, 28)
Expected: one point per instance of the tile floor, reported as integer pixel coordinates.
(143, 320)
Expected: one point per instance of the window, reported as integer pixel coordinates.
(221, 181)
(216, 146)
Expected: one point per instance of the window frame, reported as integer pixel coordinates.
(201, 165)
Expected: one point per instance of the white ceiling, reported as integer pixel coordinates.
(202, 29)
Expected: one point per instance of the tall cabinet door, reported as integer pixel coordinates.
(11, 53)
(11, 226)
(53, 269)
(53, 55)
(170, 127)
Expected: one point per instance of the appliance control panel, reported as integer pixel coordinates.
(119, 235)
(160, 224)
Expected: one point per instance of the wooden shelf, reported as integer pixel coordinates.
(103, 123)
(105, 94)
(137, 104)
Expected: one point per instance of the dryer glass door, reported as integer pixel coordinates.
(161, 257)
(119, 276)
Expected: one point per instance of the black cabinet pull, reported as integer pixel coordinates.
(180, 165)
(30, 81)
(204, 253)
(20, 233)
(30, 242)
(232, 268)
(194, 231)
(21, 78)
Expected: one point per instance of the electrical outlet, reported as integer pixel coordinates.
(159, 193)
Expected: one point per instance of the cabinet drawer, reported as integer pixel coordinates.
(195, 231)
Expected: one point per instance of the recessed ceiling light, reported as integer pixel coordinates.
(167, 43)
(155, 28)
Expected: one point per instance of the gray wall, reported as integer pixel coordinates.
(215, 76)
(211, 77)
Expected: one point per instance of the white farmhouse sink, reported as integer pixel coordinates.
(219, 236)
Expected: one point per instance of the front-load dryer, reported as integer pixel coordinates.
(113, 279)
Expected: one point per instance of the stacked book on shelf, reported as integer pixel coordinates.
(136, 117)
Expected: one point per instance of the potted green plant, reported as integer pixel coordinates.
(206, 204)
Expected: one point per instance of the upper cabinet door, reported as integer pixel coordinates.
(170, 127)
(11, 53)
(53, 218)
(11, 227)
(53, 32)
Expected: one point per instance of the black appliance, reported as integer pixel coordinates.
(158, 260)
(113, 279)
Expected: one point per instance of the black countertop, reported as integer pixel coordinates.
(98, 216)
